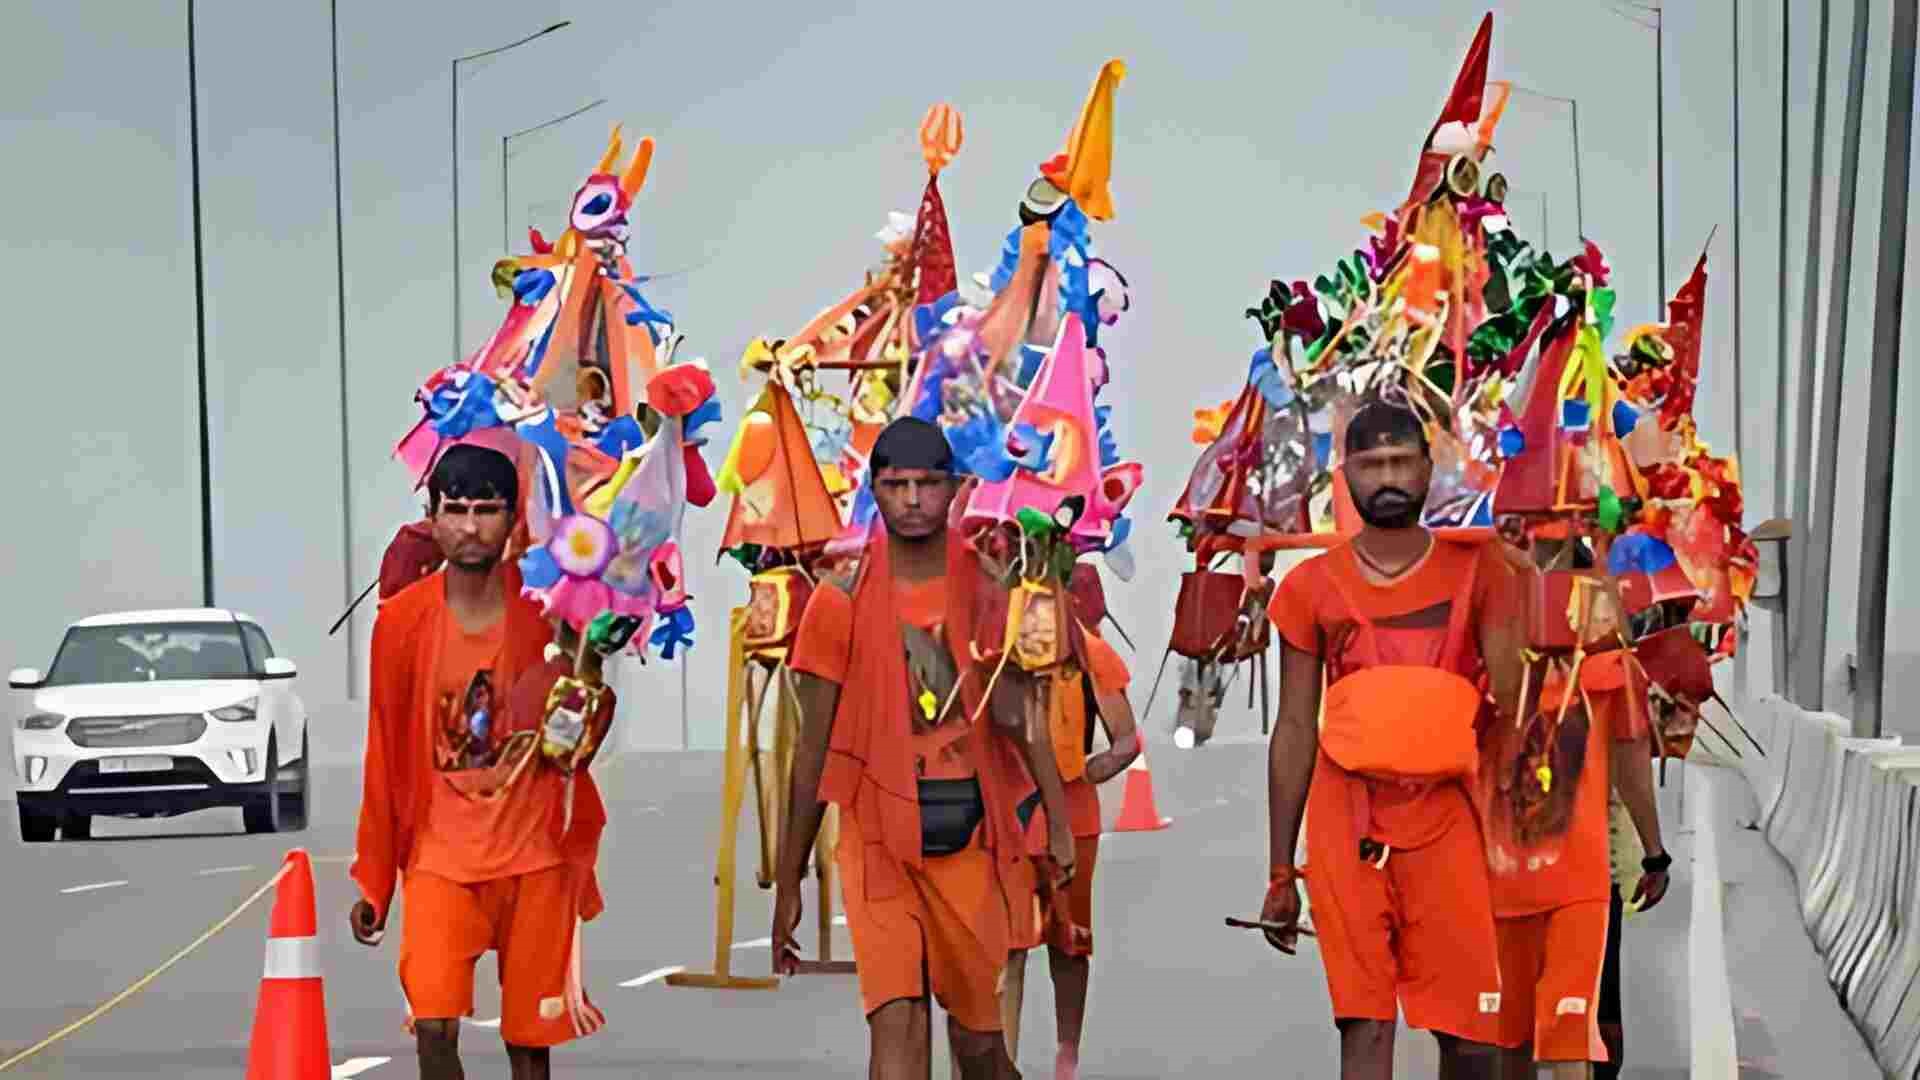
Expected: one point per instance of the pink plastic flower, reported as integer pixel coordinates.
(582, 546)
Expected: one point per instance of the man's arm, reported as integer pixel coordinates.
(375, 861)
(1633, 779)
(1116, 715)
(1291, 752)
(1012, 717)
(818, 700)
(1498, 629)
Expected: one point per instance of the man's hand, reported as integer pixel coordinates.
(1651, 889)
(1282, 906)
(369, 926)
(786, 919)
(1060, 846)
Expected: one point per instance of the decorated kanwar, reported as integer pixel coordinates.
(796, 468)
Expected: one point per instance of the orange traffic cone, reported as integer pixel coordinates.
(290, 1023)
(1137, 810)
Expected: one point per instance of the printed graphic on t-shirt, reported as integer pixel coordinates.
(471, 747)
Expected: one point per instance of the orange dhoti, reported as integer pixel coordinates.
(944, 933)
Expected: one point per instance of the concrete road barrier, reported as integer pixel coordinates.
(1845, 815)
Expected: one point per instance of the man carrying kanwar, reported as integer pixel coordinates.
(1408, 628)
(1552, 920)
(1064, 923)
(895, 731)
(492, 844)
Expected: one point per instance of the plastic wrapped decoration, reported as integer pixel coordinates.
(605, 558)
(986, 351)
(1395, 318)
(1029, 531)
(1687, 565)
(579, 338)
(1048, 267)
(874, 334)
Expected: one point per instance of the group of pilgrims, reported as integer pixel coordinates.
(1510, 567)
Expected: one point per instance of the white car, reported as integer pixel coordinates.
(157, 713)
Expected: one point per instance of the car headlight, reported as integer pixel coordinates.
(234, 714)
(45, 721)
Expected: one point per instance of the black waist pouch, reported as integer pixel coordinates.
(950, 810)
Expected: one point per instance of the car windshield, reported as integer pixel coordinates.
(149, 652)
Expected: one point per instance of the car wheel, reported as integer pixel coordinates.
(293, 794)
(76, 826)
(261, 814)
(36, 827)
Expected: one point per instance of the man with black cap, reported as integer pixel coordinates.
(930, 847)
(1404, 625)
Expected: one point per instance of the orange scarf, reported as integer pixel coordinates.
(869, 769)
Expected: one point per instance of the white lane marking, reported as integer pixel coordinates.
(92, 887)
(242, 870)
(756, 943)
(654, 976)
(493, 1023)
(352, 1067)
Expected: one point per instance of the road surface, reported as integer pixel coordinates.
(1175, 992)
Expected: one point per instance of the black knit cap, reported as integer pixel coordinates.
(1380, 423)
(911, 443)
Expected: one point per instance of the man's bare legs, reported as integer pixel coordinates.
(979, 1055)
(1519, 1065)
(1463, 1060)
(1071, 975)
(438, 1044)
(1366, 1049)
(899, 1041)
(1013, 997)
(529, 1062)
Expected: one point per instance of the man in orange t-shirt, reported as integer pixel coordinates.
(1065, 924)
(458, 806)
(930, 849)
(1406, 626)
(1552, 921)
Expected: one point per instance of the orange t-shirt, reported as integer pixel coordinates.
(825, 638)
(1583, 871)
(467, 839)
(1410, 616)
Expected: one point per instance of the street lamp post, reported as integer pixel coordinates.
(455, 80)
(1579, 198)
(1658, 26)
(506, 227)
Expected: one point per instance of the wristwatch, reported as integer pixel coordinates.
(1657, 864)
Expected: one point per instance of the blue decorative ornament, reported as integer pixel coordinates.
(1109, 446)
(621, 437)
(463, 405)
(538, 570)
(532, 286)
(1512, 443)
(1625, 419)
(1639, 553)
(674, 632)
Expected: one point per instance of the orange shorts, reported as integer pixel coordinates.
(528, 920)
(1550, 967)
(945, 933)
(1417, 932)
